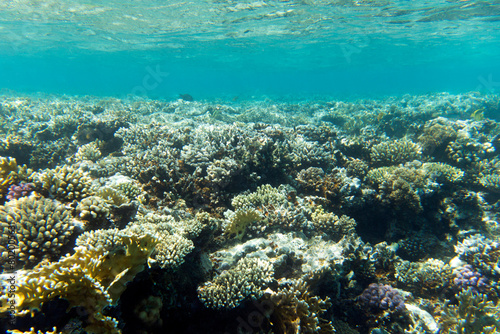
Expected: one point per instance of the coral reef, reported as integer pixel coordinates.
(188, 216)
(88, 151)
(467, 278)
(16, 191)
(295, 310)
(92, 207)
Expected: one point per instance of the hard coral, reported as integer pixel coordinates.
(19, 190)
(295, 310)
(93, 277)
(474, 314)
(380, 297)
(246, 280)
(393, 153)
(41, 226)
(467, 278)
(66, 183)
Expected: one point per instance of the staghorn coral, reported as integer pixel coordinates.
(93, 277)
(395, 152)
(474, 314)
(65, 183)
(41, 226)
(247, 279)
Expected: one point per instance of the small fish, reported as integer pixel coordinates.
(186, 97)
(478, 115)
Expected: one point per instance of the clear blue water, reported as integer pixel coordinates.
(224, 49)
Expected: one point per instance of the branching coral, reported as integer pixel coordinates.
(8, 167)
(66, 183)
(295, 310)
(247, 279)
(41, 227)
(92, 207)
(88, 151)
(393, 153)
(474, 314)
(265, 195)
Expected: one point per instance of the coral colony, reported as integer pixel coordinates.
(373, 216)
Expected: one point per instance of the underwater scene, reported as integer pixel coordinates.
(249, 166)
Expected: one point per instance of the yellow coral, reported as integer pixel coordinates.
(239, 221)
(93, 277)
(8, 168)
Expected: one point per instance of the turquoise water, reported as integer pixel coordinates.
(224, 49)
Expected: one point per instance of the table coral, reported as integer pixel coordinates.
(93, 277)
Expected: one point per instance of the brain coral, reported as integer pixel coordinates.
(41, 226)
